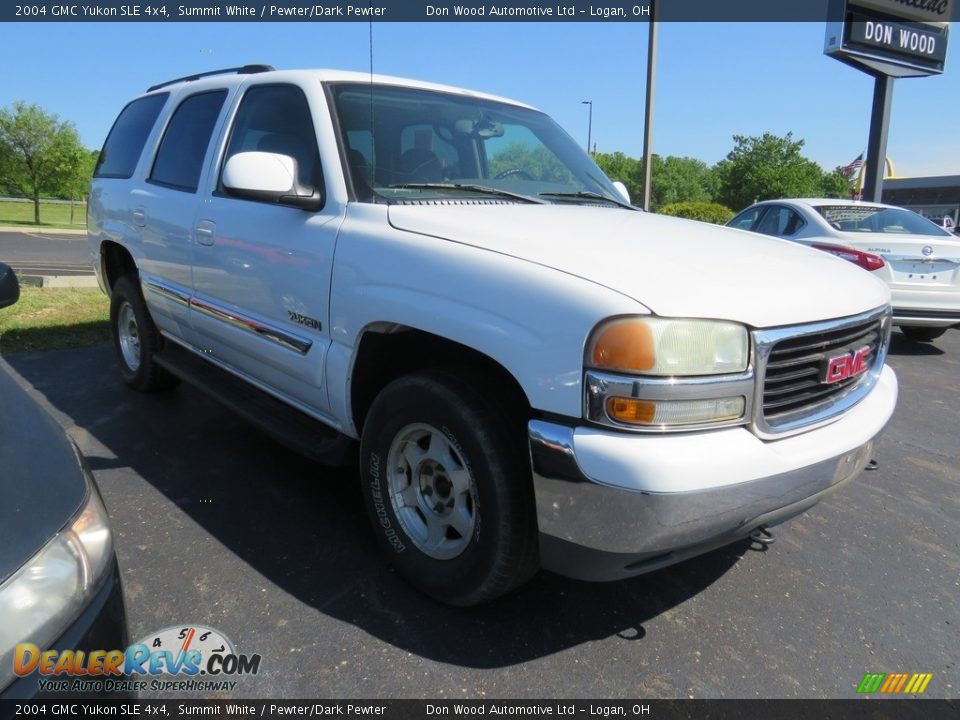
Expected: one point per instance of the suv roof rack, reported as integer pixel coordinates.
(244, 70)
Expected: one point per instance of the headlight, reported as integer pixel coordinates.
(653, 374)
(42, 599)
(662, 346)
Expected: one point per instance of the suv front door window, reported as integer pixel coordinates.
(261, 270)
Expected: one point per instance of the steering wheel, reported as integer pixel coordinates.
(518, 172)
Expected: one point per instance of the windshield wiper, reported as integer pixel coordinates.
(468, 187)
(587, 195)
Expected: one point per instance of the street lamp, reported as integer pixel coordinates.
(589, 123)
(648, 109)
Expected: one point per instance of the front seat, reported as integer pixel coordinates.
(419, 165)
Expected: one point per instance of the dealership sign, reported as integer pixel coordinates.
(900, 38)
(921, 10)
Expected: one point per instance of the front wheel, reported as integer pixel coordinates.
(136, 340)
(447, 485)
(922, 334)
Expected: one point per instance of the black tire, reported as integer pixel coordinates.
(922, 334)
(137, 359)
(461, 414)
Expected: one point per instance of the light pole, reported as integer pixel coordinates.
(589, 123)
(648, 110)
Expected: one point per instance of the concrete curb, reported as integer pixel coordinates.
(42, 230)
(60, 281)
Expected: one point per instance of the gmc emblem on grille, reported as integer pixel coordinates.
(846, 366)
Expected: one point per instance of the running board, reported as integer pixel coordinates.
(285, 424)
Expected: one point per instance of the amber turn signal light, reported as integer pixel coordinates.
(631, 410)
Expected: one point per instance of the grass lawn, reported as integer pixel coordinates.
(54, 318)
(51, 214)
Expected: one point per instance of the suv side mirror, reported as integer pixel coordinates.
(268, 177)
(9, 286)
(622, 189)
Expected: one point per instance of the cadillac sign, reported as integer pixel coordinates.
(900, 38)
(920, 10)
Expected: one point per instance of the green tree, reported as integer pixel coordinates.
(766, 167)
(835, 185)
(75, 184)
(37, 150)
(538, 163)
(675, 179)
(680, 180)
(627, 170)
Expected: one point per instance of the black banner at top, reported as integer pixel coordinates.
(324, 11)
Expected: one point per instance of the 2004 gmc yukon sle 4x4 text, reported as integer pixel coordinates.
(533, 372)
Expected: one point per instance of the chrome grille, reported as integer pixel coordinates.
(792, 362)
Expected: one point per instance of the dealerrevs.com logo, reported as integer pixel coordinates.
(183, 658)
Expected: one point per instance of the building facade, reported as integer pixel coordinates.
(932, 197)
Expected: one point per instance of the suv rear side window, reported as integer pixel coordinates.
(121, 151)
(182, 151)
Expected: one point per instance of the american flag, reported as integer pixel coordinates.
(849, 170)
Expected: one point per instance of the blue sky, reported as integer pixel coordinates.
(714, 80)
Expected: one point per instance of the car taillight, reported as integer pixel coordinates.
(868, 261)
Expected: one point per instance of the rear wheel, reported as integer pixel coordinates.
(136, 340)
(922, 334)
(447, 485)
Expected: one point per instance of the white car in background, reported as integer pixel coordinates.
(919, 260)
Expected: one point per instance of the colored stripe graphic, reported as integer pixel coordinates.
(895, 683)
(870, 683)
(922, 684)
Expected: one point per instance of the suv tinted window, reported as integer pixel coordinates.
(276, 119)
(121, 151)
(184, 146)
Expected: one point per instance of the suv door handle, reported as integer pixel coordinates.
(139, 216)
(204, 232)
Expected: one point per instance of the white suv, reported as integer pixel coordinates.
(531, 371)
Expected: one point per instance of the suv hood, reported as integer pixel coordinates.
(676, 268)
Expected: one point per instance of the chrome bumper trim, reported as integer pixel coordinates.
(668, 527)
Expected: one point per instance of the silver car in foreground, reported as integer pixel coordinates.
(918, 260)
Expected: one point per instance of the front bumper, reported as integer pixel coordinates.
(935, 306)
(613, 505)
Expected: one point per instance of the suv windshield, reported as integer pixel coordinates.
(861, 219)
(407, 144)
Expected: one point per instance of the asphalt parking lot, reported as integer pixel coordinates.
(217, 525)
(45, 252)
